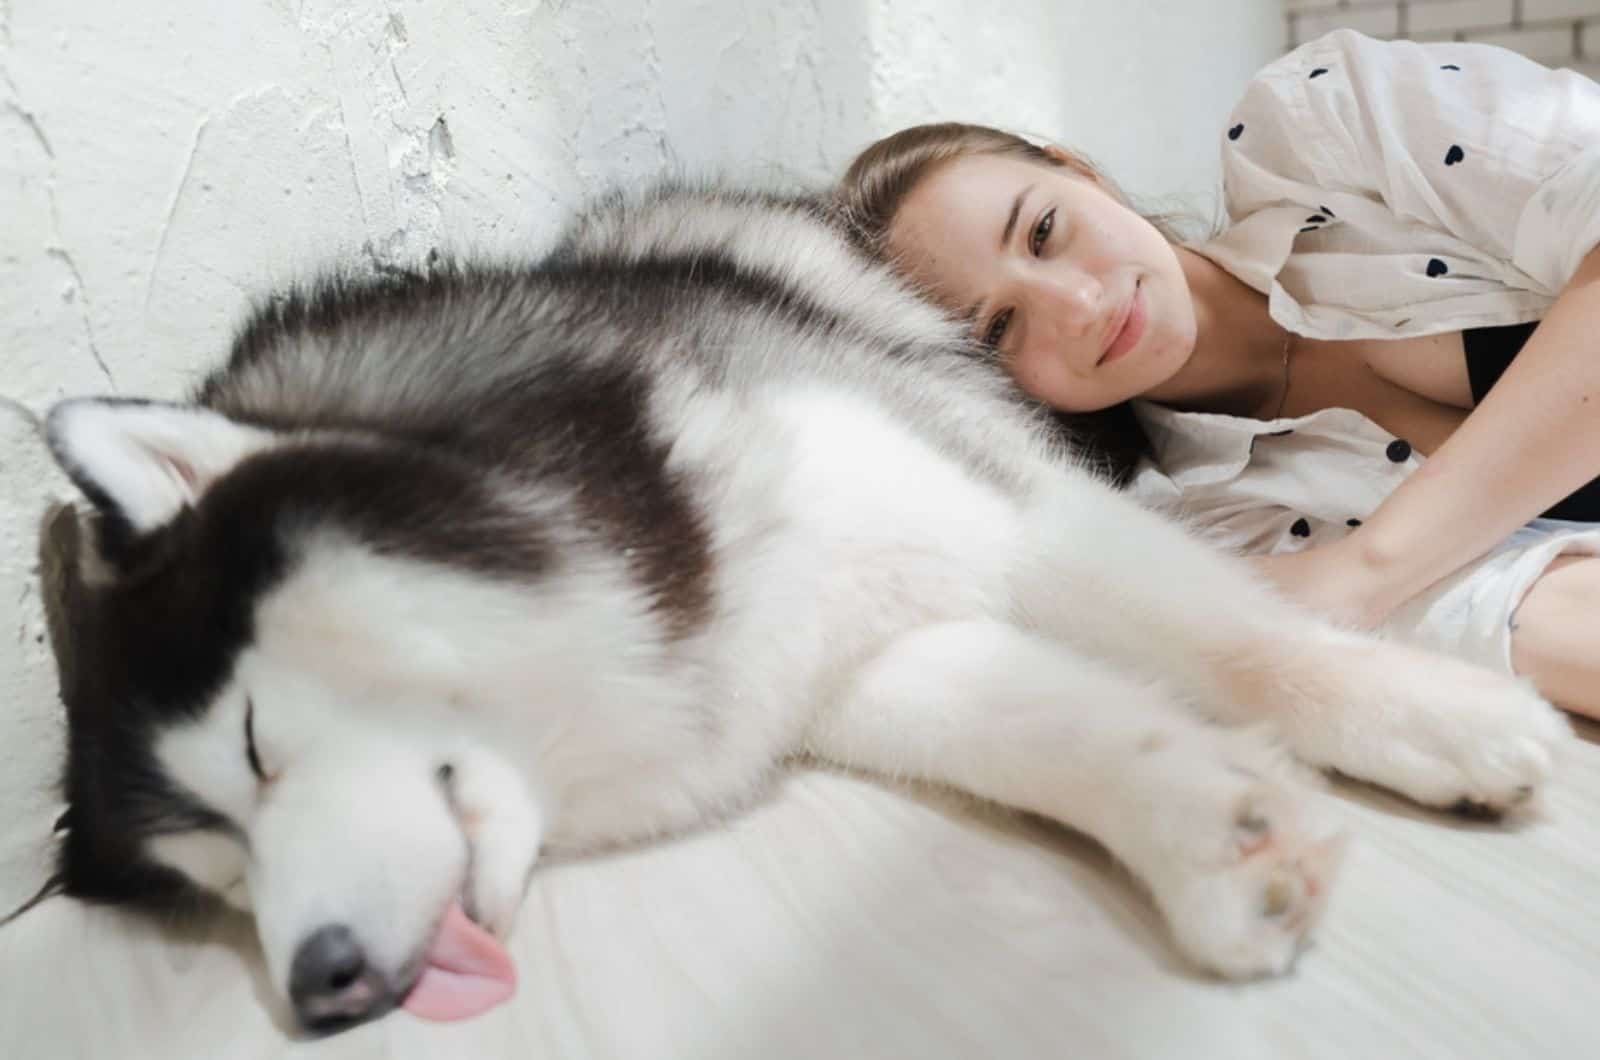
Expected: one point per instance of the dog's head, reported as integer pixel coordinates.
(261, 653)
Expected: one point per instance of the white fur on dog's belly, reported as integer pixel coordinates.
(834, 530)
(839, 529)
(898, 529)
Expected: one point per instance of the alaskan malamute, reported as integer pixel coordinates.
(444, 571)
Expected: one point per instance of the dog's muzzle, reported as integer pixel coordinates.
(332, 985)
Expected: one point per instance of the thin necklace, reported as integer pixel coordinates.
(1283, 397)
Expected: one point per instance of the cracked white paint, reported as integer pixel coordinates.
(163, 162)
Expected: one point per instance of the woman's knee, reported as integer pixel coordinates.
(1553, 629)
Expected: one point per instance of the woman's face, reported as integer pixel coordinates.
(1084, 300)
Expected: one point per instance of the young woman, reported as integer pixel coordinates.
(1379, 376)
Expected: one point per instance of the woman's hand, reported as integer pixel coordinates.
(1337, 581)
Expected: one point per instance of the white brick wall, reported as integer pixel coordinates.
(1545, 10)
(1561, 33)
(1451, 15)
(1589, 41)
(1551, 45)
(1382, 20)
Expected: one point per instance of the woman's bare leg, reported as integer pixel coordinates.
(1555, 634)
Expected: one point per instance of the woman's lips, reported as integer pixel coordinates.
(1132, 328)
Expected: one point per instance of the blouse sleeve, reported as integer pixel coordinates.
(1468, 139)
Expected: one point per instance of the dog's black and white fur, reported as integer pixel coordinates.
(440, 572)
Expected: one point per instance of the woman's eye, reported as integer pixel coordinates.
(1041, 231)
(250, 741)
(997, 329)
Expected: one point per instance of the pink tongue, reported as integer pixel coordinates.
(467, 972)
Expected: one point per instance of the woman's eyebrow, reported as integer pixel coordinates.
(970, 315)
(1011, 221)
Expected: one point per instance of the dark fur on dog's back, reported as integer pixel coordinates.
(553, 412)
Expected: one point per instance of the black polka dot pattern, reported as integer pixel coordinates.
(1314, 221)
(1399, 450)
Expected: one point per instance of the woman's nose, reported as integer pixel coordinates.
(1074, 302)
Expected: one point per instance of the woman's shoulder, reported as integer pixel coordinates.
(1345, 51)
(1303, 111)
(1462, 141)
(1368, 66)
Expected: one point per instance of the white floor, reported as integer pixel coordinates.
(845, 918)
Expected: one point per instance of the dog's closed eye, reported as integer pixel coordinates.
(251, 755)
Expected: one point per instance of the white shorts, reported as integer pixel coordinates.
(1469, 614)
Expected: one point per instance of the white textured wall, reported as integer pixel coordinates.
(161, 161)
(1558, 33)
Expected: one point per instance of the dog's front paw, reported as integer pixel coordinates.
(1236, 861)
(1477, 743)
(1442, 732)
(503, 829)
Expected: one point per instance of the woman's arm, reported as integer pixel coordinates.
(1533, 440)
(1502, 155)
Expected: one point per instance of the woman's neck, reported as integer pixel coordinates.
(1237, 366)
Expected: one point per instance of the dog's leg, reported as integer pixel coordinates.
(1129, 586)
(1207, 817)
(503, 827)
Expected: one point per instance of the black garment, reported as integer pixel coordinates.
(1490, 352)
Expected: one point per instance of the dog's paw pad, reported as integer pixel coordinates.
(1293, 893)
(1252, 828)
(1249, 913)
(1280, 896)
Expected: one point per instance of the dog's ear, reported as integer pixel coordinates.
(141, 462)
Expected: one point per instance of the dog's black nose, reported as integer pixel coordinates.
(331, 984)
